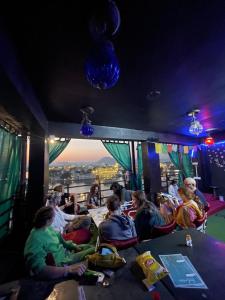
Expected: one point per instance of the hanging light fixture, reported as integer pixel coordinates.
(102, 68)
(86, 128)
(209, 140)
(196, 127)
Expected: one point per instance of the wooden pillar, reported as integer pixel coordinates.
(38, 176)
(151, 169)
(133, 165)
(204, 171)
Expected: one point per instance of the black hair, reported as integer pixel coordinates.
(42, 216)
(116, 185)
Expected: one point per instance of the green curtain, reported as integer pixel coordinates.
(187, 165)
(56, 149)
(140, 167)
(121, 153)
(174, 157)
(10, 168)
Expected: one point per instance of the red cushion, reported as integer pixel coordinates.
(80, 236)
(199, 222)
(122, 244)
(164, 229)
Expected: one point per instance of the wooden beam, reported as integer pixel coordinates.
(72, 130)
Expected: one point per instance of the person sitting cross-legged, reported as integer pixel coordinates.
(44, 241)
(116, 226)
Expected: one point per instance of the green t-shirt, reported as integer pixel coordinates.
(43, 241)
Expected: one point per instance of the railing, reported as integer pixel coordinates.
(82, 196)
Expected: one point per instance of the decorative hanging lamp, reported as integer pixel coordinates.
(102, 68)
(196, 127)
(86, 128)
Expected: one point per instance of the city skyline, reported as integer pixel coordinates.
(79, 150)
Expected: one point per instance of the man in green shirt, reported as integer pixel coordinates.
(44, 240)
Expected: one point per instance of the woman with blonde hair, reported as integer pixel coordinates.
(147, 215)
(189, 211)
(167, 208)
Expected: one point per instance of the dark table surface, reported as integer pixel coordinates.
(207, 256)
(126, 284)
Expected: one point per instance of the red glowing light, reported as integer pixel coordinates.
(209, 141)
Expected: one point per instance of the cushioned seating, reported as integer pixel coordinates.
(164, 229)
(132, 213)
(199, 222)
(80, 236)
(122, 244)
(207, 207)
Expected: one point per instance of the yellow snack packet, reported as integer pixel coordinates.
(151, 268)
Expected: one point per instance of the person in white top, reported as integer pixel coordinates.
(173, 189)
(65, 222)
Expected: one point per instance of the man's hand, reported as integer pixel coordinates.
(77, 269)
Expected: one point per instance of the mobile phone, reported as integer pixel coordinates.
(88, 279)
(106, 251)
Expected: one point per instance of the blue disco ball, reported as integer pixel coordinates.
(102, 69)
(86, 130)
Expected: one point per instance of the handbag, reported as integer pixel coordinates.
(110, 260)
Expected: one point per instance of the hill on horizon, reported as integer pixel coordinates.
(106, 160)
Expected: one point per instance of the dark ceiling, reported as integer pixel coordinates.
(176, 47)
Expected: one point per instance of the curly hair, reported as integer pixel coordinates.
(92, 189)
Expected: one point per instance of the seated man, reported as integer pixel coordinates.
(190, 184)
(116, 226)
(44, 240)
(63, 222)
(65, 201)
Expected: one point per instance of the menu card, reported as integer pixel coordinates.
(182, 272)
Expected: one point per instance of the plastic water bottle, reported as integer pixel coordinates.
(188, 240)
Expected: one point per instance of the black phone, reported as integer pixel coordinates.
(88, 279)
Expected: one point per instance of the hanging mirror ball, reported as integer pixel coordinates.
(101, 67)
